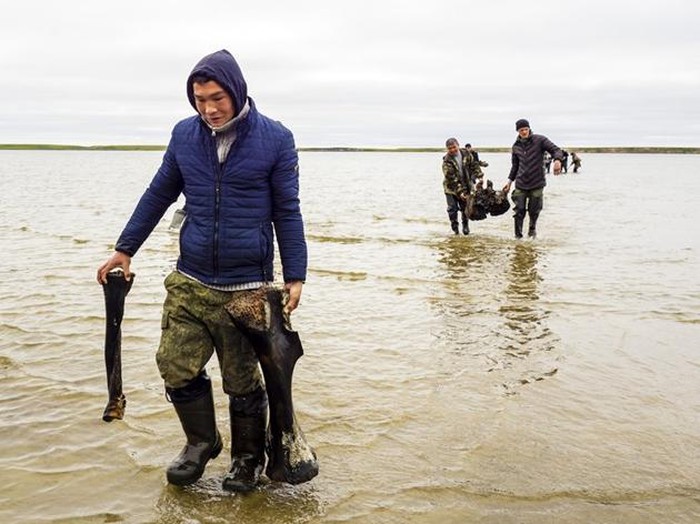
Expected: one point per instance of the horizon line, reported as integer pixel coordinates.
(398, 149)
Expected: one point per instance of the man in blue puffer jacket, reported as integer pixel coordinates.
(239, 173)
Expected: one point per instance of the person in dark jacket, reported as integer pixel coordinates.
(238, 171)
(459, 169)
(527, 172)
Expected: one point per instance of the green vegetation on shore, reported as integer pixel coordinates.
(64, 147)
(582, 149)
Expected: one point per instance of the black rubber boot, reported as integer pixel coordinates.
(248, 428)
(519, 226)
(194, 405)
(534, 207)
(452, 210)
(519, 213)
(532, 230)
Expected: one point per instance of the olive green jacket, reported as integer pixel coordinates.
(456, 183)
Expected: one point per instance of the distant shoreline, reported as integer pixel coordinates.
(582, 149)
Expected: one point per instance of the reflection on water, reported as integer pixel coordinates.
(523, 314)
(523, 276)
(491, 309)
(471, 258)
(525, 318)
(207, 502)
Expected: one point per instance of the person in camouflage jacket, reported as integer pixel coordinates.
(459, 170)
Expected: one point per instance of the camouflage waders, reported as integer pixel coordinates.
(194, 326)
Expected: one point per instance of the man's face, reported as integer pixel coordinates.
(524, 132)
(213, 103)
(453, 149)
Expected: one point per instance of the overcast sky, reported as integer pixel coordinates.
(357, 72)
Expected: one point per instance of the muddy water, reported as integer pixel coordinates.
(446, 379)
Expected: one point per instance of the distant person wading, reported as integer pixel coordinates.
(459, 170)
(576, 160)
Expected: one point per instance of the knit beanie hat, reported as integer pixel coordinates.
(521, 123)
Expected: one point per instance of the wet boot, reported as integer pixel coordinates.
(452, 210)
(194, 405)
(519, 226)
(533, 210)
(248, 429)
(532, 230)
(518, 212)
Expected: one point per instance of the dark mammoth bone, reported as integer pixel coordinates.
(260, 316)
(115, 291)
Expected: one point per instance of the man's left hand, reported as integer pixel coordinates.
(294, 290)
(557, 167)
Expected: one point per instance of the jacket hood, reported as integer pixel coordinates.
(223, 69)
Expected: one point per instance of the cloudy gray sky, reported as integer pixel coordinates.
(358, 72)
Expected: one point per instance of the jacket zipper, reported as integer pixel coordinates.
(263, 251)
(217, 202)
(219, 169)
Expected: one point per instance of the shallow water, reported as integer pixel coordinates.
(446, 379)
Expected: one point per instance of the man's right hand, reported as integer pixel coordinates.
(506, 188)
(118, 259)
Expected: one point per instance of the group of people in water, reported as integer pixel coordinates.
(575, 161)
(532, 156)
(238, 170)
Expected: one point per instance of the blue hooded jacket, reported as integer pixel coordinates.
(228, 235)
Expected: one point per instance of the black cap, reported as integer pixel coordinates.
(521, 123)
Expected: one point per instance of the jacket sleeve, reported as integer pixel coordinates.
(164, 189)
(286, 211)
(552, 149)
(515, 164)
